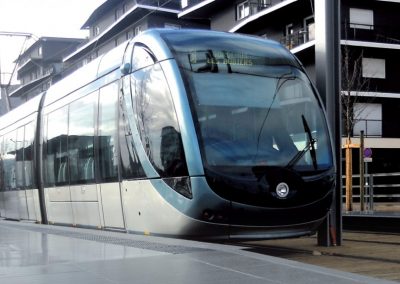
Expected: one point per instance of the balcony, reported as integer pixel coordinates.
(251, 7)
(371, 33)
(160, 3)
(298, 38)
(202, 9)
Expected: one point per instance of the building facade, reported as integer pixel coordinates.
(370, 49)
(41, 65)
(116, 21)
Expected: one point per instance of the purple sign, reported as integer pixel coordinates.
(367, 153)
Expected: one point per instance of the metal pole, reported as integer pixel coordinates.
(362, 170)
(327, 48)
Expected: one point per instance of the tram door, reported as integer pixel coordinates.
(110, 189)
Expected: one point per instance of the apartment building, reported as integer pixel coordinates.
(116, 21)
(40, 65)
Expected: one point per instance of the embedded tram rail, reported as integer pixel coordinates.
(33, 253)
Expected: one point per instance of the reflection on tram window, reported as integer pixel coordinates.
(81, 140)
(131, 166)
(57, 152)
(28, 156)
(157, 122)
(141, 58)
(19, 169)
(108, 158)
(9, 160)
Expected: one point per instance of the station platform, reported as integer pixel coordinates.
(33, 253)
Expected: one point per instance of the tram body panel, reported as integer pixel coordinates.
(58, 205)
(85, 206)
(2, 209)
(86, 214)
(112, 205)
(23, 205)
(32, 196)
(149, 212)
(11, 205)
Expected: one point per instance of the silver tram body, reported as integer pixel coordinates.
(180, 133)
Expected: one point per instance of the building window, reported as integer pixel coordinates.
(361, 19)
(138, 30)
(40, 51)
(119, 12)
(172, 26)
(373, 68)
(129, 34)
(243, 10)
(95, 30)
(264, 3)
(184, 3)
(309, 29)
(289, 36)
(368, 117)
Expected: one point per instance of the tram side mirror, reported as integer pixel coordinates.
(125, 68)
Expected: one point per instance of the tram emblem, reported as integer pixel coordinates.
(282, 190)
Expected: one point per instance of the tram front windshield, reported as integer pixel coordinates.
(253, 105)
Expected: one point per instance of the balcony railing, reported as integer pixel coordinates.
(252, 6)
(297, 38)
(373, 33)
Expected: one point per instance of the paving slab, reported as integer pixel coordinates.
(33, 253)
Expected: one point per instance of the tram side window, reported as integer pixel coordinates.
(107, 133)
(141, 58)
(19, 158)
(131, 166)
(157, 122)
(81, 140)
(1, 165)
(56, 153)
(9, 160)
(28, 156)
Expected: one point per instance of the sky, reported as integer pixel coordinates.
(57, 18)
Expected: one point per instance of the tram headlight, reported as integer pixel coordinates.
(181, 185)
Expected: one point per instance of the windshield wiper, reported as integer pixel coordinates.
(309, 147)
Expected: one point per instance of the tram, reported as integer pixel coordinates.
(184, 133)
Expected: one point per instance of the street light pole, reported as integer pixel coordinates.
(327, 51)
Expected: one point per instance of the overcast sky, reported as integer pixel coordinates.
(57, 18)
